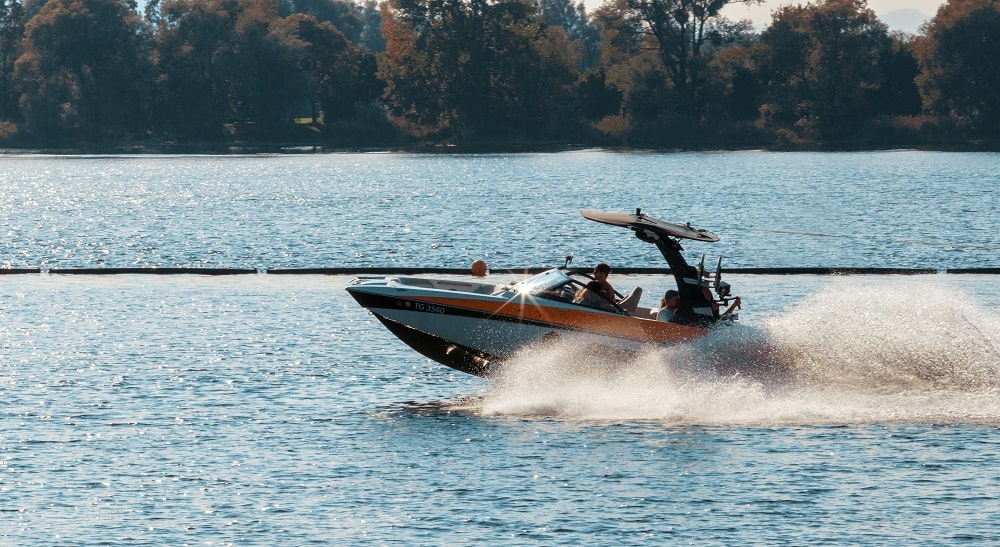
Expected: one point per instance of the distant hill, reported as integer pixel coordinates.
(906, 20)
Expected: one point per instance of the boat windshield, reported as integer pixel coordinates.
(558, 284)
(546, 281)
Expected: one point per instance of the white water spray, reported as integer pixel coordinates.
(878, 351)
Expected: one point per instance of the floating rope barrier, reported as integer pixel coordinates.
(153, 270)
(994, 271)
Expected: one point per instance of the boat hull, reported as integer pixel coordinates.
(474, 332)
(446, 352)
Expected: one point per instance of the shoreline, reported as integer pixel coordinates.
(225, 149)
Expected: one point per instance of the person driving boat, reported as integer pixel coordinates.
(601, 273)
(593, 296)
(605, 296)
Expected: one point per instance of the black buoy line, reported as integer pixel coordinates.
(394, 270)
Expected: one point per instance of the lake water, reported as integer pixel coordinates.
(266, 409)
(887, 209)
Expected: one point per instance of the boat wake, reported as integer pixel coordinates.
(897, 351)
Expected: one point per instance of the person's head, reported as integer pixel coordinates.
(602, 270)
(671, 299)
(723, 289)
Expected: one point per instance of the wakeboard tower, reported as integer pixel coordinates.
(695, 285)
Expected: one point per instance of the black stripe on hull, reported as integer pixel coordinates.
(375, 301)
(456, 356)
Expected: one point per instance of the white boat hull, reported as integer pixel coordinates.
(472, 331)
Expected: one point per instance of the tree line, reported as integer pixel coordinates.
(92, 73)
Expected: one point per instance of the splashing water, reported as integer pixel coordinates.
(917, 335)
(878, 351)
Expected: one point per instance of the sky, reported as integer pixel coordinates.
(761, 15)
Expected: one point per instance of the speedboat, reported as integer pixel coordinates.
(473, 327)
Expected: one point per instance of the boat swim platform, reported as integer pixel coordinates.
(391, 270)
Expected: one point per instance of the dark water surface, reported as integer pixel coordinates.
(265, 410)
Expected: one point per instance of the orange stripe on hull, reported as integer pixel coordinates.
(620, 326)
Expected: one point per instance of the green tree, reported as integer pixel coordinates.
(822, 67)
(597, 98)
(681, 29)
(335, 74)
(194, 54)
(345, 15)
(632, 70)
(734, 90)
(222, 68)
(960, 71)
(659, 55)
(237, 68)
(11, 35)
(473, 69)
(263, 82)
(898, 95)
(80, 71)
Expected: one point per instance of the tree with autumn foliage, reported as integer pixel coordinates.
(635, 72)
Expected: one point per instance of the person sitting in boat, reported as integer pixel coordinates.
(593, 296)
(668, 305)
(601, 273)
(626, 304)
(723, 289)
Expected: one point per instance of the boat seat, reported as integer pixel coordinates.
(631, 302)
